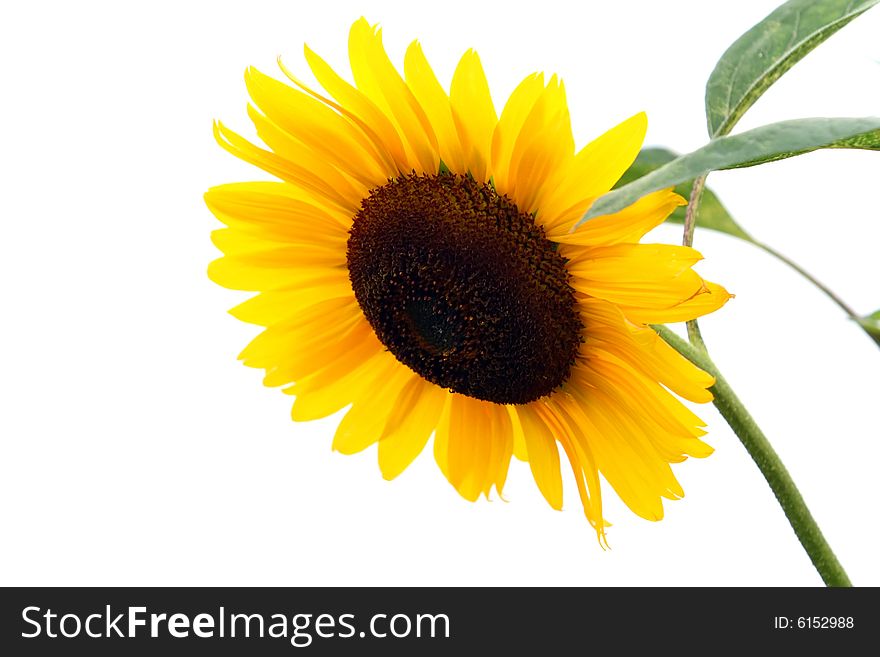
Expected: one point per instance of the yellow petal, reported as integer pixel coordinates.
(274, 306)
(340, 381)
(643, 349)
(363, 424)
(633, 449)
(473, 113)
(276, 268)
(302, 169)
(637, 275)
(318, 127)
(647, 397)
(462, 446)
(235, 242)
(708, 299)
(543, 144)
(519, 441)
(628, 225)
(376, 76)
(294, 151)
(412, 421)
(306, 355)
(580, 457)
(314, 322)
(638, 475)
(275, 211)
(543, 455)
(668, 425)
(359, 107)
(431, 96)
(514, 114)
(591, 173)
(470, 450)
(501, 431)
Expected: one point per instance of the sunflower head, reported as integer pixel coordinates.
(463, 288)
(416, 263)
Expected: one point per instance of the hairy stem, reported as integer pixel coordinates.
(690, 214)
(690, 223)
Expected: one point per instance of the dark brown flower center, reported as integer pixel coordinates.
(463, 288)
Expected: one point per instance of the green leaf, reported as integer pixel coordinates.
(765, 144)
(867, 141)
(711, 214)
(871, 323)
(763, 54)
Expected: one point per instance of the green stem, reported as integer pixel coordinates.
(803, 272)
(747, 430)
(690, 214)
(768, 462)
(851, 313)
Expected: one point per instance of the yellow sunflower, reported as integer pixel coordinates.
(416, 263)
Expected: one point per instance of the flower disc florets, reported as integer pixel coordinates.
(464, 288)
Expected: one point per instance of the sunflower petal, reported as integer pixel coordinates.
(412, 421)
(636, 275)
(360, 108)
(632, 467)
(276, 268)
(309, 173)
(710, 298)
(543, 144)
(377, 77)
(318, 127)
(341, 380)
(275, 211)
(463, 445)
(363, 424)
(514, 114)
(543, 455)
(473, 113)
(628, 225)
(424, 85)
(502, 448)
(592, 172)
(581, 459)
(641, 348)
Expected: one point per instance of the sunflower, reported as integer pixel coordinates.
(417, 264)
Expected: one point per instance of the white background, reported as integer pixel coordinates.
(136, 450)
